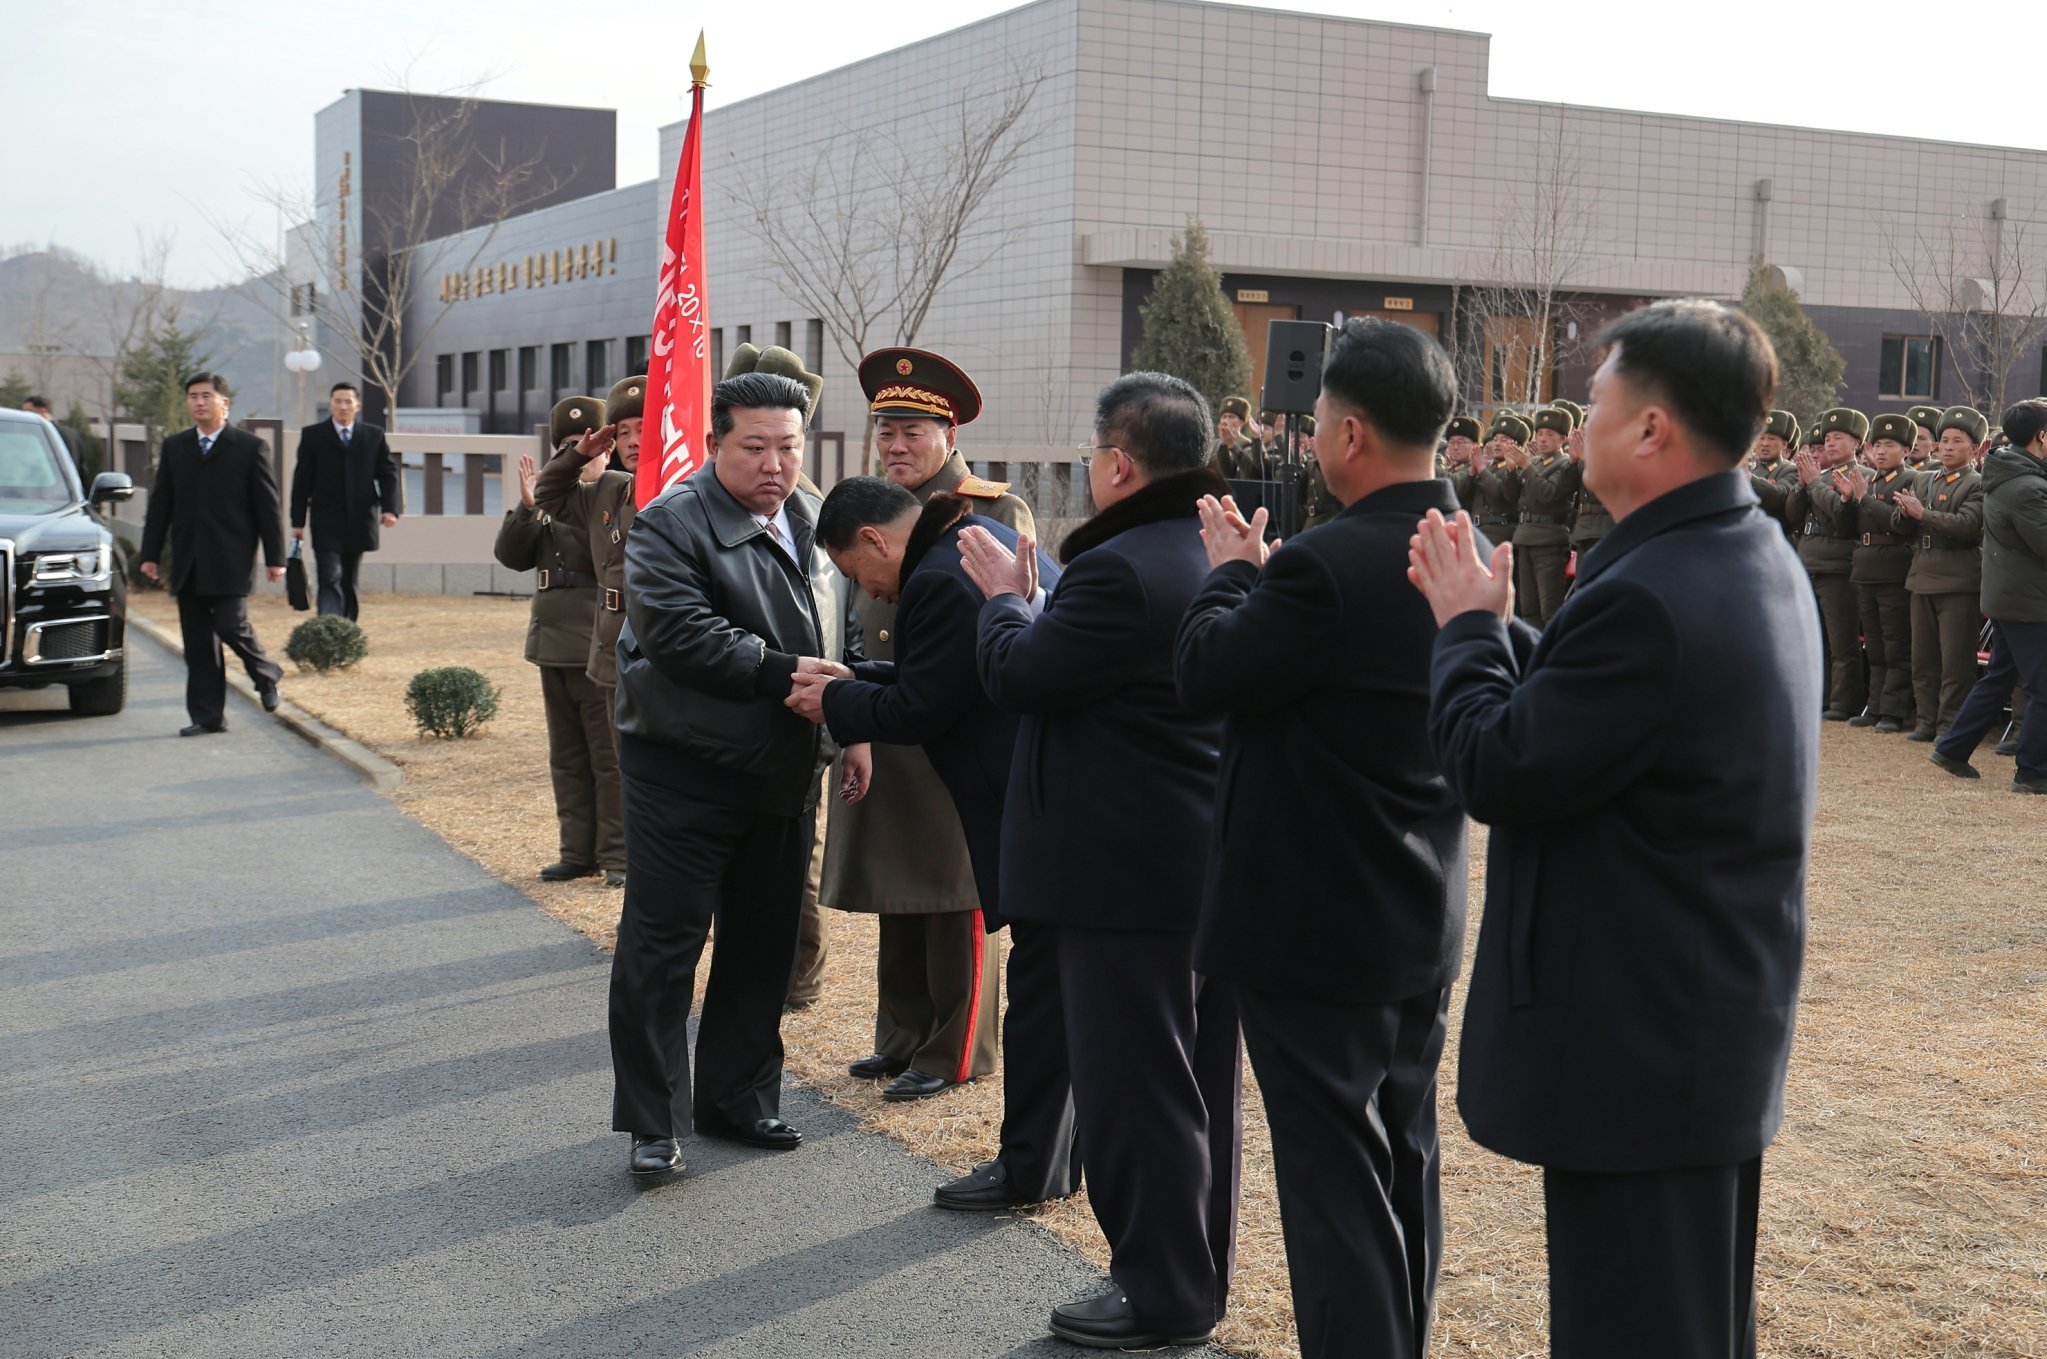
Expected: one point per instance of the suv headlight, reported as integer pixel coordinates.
(93, 564)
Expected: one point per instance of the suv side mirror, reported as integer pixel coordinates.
(112, 486)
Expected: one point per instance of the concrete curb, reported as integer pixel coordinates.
(376, 771)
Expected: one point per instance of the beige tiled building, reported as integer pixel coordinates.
(1340, 166)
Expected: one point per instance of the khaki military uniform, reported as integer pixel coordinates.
(1242, 461)
(582, 755)
(603, 510)
(1883, 558)
(1591, 521)
(1491, 498)
(1945, 584)
(1542, 533)
(1319, 506)
(1773, 482)
(900, 853)
(1827, 536)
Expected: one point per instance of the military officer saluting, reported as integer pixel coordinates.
(1883, 558)
(1828, 530)
(582, 757)
(1943, 514)
(1549, 484)
(1237, 455)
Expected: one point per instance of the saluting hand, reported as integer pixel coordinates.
(1443, 564)
(597, 442)
(529, 477)
(1228, 536)
(806, 696)
(997, 570)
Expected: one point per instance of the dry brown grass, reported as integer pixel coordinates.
(1905, 1204)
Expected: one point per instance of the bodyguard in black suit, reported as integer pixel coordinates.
(1104, 841)
(931, 696)
(1336, 881)
(1648, 769)
(214, 500)
(348, 479)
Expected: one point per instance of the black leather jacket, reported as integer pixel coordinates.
(716, 617)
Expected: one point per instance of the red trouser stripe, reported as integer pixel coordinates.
(973, 1003)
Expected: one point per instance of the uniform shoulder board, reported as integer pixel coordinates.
(981, 490)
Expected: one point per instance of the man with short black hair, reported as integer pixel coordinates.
(1335, 886)
(1629, 1018)
(348, 481)
(41, 406)
(214, 501)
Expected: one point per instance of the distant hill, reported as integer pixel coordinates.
(53, 297)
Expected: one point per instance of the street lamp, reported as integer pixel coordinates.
(302, 361)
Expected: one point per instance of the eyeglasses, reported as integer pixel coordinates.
(1087, 452)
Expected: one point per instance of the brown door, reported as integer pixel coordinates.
(1427, 322)
(1255, 317)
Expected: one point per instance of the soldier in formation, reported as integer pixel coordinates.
(1827, 533)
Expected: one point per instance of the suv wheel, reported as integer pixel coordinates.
(101, 697)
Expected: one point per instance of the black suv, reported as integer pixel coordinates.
(63, 575)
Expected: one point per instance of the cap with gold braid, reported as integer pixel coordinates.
(572, 417)
(910, 382)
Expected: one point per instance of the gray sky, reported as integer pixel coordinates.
(119, 116)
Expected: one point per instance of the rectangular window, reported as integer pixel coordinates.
(813, 345)
(782, 333)
(718, 353)
(468, 375)
(498, 362)
(597, 366)
(1906, 366)
(561, 363)
(635, 355)
(529, 367)
(742, 335)
(444, 378)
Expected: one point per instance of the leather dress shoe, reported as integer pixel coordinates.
(987, 1190)
(268, 693)
(656, 1155)
(201, 729)
(1833, 715)
(563, 872)
(1107, 1323)
(1961, 769)
(1924, 736)
(614, 877)
(2021, 784)
(1889, 726)
(769, 1134)
(2006, 748)
(1865, 718)
(915, 1084)
(877, 1066)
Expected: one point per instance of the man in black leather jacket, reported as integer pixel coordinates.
(727, 597)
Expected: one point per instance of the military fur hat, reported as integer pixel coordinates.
(1784, 425)
(1967, 419)
(1815, 436)
(573, 416)
(1901, 429)
(1234, 405)
(782, 362)
(1552, 418)
(628, 400)
(1304, 424)
(1511, 425)
(1576, 411)
(913, 382)
(1463, 425)
(1850, 422)
(1927, 416)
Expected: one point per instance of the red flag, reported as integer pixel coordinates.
(679, 368)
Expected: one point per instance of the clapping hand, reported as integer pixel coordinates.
(1909, 503)
(1851, 482)
(996, 569)
(529, 477)
(1808, 467)
(1228, 536)
(1443, 564)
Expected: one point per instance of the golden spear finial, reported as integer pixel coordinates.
(699, 69)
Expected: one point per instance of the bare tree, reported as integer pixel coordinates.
(1510, 322)
(1979, 282)
(128, 312)
(866, 238)
(378, 294)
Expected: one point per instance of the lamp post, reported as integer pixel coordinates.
(303, 360)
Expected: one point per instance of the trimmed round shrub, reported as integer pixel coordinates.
(329, 642)
(450, 701)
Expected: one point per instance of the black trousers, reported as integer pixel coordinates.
(1040, 1138)
(2018, 657)
(337, 571)
(1657, 1265)
(689, 863)
(1157, 1072)
(1350, 1095)
(207, 623)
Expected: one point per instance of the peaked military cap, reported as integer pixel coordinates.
(782, 362)
(1511, 425)
(1967, 419)
(1553, 418)
(918, 382)
(573, 416)
(1901, 429)
(1465, 426)
(1850, 422)
(1929, 416)
(1573, 409)
(1238, 406)
(628, 400)
(1784, 425)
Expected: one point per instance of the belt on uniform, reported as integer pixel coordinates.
(614, 600)
(1815, 529)
(1528, 518)
(1933, 542)
(1486, 520)
(1882, 540)
(561, 578)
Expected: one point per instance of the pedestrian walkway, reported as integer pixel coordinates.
(281, 1073)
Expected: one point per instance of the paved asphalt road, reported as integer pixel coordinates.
(281, 1073)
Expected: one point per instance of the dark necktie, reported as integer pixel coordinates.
(205, 444)
(347, 432)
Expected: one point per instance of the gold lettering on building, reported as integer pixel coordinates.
(586, 259)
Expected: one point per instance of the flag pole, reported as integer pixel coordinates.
(679, 364)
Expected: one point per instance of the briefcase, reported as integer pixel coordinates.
(295, 578)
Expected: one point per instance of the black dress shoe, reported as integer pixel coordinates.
(563, 872)
(2006, 748)
(987, 1190)
(1107, 1323)
(268, 693)
(1889, 726)
(915, 1084)
(1863, 719)
(614, 877)
(1961, 769)
(656, 1155)
(201, 729)
(877, 1066)
(769, 1134)
(2021, 784)
(1923, 735)
(1833, 715)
